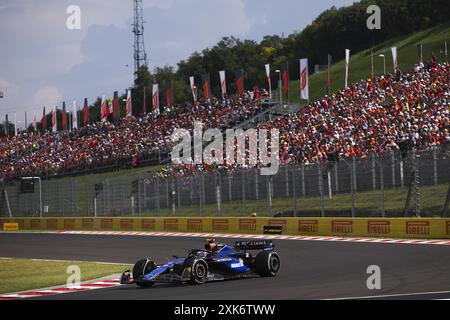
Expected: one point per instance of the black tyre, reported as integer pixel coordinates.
(267, 263)
(141, 268)
(199, 271)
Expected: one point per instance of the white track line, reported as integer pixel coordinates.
(258, 236)
(252, 236)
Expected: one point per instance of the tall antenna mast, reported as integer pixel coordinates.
(140, 56)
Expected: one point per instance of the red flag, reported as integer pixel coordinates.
(116, 105)
(206, 86)
(44, 121)
(103, 109)
(239, 75)
(169, 93)
(85, 112)
(64, 116)
(285, 75)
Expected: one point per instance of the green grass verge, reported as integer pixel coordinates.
(26, 274)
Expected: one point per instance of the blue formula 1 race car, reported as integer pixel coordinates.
(217, 261)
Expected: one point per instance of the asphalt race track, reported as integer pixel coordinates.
(310, 269)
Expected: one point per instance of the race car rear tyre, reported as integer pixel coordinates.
(199, 271)
(143, 267)
(267, 263)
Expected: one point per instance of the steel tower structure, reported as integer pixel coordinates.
(140, 56)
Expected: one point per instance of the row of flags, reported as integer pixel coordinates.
(110, 106)
(206, 84)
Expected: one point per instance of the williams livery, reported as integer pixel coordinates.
(217, 261)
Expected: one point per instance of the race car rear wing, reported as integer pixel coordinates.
(254, 245)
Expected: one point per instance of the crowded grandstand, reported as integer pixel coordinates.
(372, 115)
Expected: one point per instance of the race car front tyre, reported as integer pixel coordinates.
(141, 268)
(267, 263)
(199, 271)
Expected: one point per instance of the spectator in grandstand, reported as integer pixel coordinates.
(369, 116)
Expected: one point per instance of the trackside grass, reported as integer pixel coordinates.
(26, 274)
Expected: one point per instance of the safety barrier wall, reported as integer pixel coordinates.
(431, 228)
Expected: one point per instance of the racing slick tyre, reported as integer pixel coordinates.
(267, 263)
(141, 268)
(199, 271)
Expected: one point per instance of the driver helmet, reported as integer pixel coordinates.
(211, 245)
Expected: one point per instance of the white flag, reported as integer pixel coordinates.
(74, 116)
(103, 111)
(155, 99)
(223, 83)
(269, 81)
(394, 57)
(128, 105)
(194, 94)
(54, 120)
(347, 61)
(304, 88)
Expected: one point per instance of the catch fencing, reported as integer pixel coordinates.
(382, 185)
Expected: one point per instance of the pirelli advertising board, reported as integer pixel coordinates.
(433, 228)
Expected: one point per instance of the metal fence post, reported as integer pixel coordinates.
(139, 199)
(269, 195)
(173, 197)
(230, 178)
(218, 192)
(336, 177)
(200, 193)
(383, 213)
(157, 193)
(393, 169)
(178, 195)
(322, 204)
(435, 169)
(330, 191)
(374, 172)
(244, 204)
(355, 188)
(416, 181)
(74, 198)
(401, 173)
(167, 193)
(287, 181)
(303, 180)
(256, 185)
(122, 196)
(294, 192)
(352, 188)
